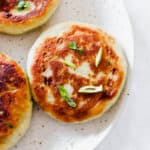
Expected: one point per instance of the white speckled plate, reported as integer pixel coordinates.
(46, 133)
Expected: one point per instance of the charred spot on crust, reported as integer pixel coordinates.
(47, 81)
(6, 5)
(59, 40)
(114, 70)
(60, 111)
(80, 114)
(5, 113)
(9, 76)
(108, 94)
(3, 87)
(6, 101)
(1, 3)
(7, 15)
(110, 83)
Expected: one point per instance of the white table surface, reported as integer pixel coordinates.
(132, 131)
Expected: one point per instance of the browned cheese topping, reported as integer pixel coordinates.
(8, 9)
(13, 95)
(49, 71)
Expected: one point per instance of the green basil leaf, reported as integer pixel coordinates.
(70, 64)
(62, 91)
(71, 103)
(72, 45)
(108, 62)
(64, 94)
(22, 4)
(80, 51)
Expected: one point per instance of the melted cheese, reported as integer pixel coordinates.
(100, 75)
(69, 89)
(69, 58)
(81, 104)
(114, 77)
(77, 33)
(83, 70)
(47, 73)
(50, 97)
(60, 46)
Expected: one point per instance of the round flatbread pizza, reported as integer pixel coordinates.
(15, 103)
(19, 16)
(76, 72)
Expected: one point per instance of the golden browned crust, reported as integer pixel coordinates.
(36, 17)
(14, 99)
(48, 56)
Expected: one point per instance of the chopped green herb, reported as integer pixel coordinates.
(91, 89)
(65, 96)
(22, 4)
(73, 46)
(8, 124)
(80, 51)
(108, 62)
(70, 64)
(71, 103)
(98, 57)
